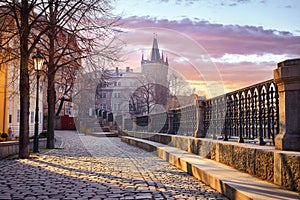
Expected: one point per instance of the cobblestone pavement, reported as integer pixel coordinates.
(86, 167)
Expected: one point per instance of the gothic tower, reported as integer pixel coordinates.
(155, 71)
(156, 68)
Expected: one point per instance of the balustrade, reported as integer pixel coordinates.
(250, 114)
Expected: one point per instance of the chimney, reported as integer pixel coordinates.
(127, 69)
(117, 70)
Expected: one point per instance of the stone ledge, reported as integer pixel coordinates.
(222, 178)
(264, 162)
(12, 147)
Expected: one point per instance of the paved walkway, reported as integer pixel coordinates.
(86, 167)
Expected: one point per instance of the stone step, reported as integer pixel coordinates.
(104, 134)
(228, 181)
(105, 129)
(97, 129)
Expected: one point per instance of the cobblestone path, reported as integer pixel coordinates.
(86, 167)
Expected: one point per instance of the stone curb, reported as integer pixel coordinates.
(226, 180)
(103, 134)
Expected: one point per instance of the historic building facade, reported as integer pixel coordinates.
(10, 97)
(114, 95)
(125, 91)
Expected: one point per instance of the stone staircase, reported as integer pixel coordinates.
(96, 128)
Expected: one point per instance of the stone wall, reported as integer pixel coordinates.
(12, 147)
(264, 162)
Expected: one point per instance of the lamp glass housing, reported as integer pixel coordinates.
(38, 61)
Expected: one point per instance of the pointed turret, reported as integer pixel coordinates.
(154, 55)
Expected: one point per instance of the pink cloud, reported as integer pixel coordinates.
(192, 46)
(219, 39)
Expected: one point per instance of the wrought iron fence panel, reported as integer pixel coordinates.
(142, 123)
(128, 124)
(249, 113)
(176, 122)
(159, 122)
(119, 121)
(207, 117)
(187, 123)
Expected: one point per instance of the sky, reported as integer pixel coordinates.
(225, 44)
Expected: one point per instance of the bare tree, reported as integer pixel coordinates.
(146, 97)
(17, 22)
(66, 32)
(65, 81)
(76, 28)
(178, 85)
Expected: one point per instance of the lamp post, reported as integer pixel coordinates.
(38, 61)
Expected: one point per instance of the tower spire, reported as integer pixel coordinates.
(154, 55)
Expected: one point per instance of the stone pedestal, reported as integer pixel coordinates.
(134, 123)
(171, 121)
(150, 125)
(287, 78)
(199, 132)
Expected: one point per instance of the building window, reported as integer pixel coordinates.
(10, 118)
(32, 117)
(115, 83)
(117, 95)
(18, 116)
(119, 83)
(103, 106)
(102, 95)
(117, 106)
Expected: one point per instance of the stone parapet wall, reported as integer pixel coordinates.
(12, 147)
(264, 162)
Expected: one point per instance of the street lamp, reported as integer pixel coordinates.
(38, 61)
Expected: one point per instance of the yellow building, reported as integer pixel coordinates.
(3, 99)
(9, 87)
(10, 98)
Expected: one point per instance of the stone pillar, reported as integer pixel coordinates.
(170, 121)
(287, 78)
(199, 132)
(123, 123)
(150, 128)
(134, 123)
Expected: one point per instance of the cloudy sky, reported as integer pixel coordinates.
(233, 42)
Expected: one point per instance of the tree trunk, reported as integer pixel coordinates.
(51, 95)
(24, 84)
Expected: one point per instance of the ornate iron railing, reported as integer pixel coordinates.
(119, 121)
(249, 113)
(185, 120)
(128, 124)
(142, 123)
(159, 122)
